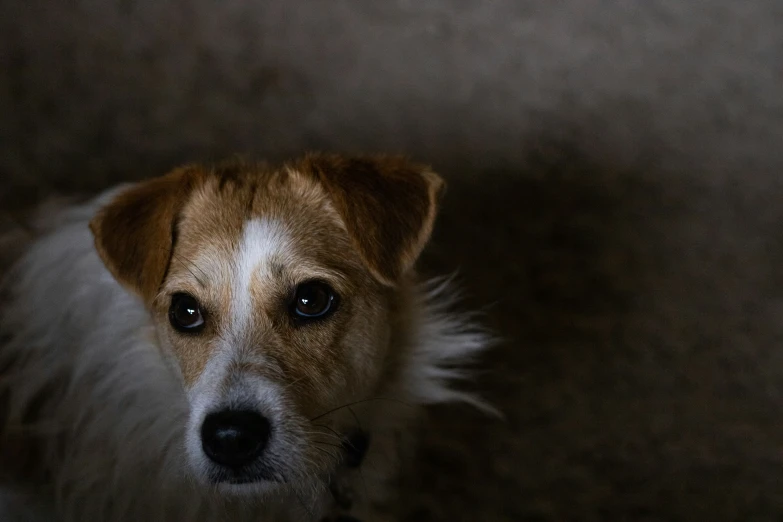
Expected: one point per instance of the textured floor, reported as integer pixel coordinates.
(614, 207)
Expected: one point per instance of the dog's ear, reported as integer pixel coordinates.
(388, 206)
(134, 231)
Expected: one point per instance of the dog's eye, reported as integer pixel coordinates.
(185, 313)
(314, 300)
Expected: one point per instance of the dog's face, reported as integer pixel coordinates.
(275, 291)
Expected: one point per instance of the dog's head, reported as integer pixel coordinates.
(275, 290)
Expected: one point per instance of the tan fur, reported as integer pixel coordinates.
(203, 210)
(133, 234)
(356, 223)
(240, 238)
(388, 206)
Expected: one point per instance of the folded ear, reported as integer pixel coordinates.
(388, 206)
(134, 231)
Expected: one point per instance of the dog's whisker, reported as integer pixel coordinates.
(338, 408)
(294, 382)
(355, 418)
(359, 424)
(326, 452)
(328, 444)
(335, 433)
(304, 506)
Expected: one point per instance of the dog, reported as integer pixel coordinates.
(236, 341)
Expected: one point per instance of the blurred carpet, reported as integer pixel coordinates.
(613, 207)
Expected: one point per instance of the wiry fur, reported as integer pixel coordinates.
(88, 397)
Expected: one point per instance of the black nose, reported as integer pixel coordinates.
(234, 438)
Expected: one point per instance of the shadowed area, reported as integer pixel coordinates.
(640, 371)
(612, 207)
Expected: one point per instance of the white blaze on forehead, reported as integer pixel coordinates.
(263, 242)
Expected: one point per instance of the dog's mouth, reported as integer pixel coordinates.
(239, 477)
(240, 480)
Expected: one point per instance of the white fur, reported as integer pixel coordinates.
(262, 241)
(123, 411)
(202, 398)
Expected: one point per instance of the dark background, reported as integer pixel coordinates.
(614, 208)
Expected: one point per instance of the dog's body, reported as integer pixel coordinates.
(110, 387)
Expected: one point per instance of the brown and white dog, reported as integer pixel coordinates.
(231, 342)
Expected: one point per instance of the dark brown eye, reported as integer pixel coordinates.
(314, 300)
(185, 314)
